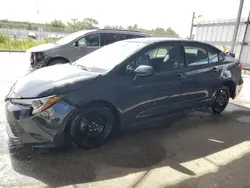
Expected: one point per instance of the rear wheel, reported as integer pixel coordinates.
(221, 99)
(92, 127)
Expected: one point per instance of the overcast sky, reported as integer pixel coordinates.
(146, 13)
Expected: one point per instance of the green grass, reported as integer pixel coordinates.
(19, 44)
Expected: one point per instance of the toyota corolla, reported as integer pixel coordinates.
(124, 84)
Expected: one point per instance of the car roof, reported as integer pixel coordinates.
(150, 40)
(82, 32)
(124, 31)
(156, 39)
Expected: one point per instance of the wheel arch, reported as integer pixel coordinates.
(231, 86)
(104, 103)
(57, 58)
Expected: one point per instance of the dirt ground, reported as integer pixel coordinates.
(198, 151)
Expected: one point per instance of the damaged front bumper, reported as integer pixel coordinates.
(38, 60)
(45, 129)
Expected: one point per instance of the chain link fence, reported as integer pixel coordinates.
(39, 34)
(220, 33)
(22, 37)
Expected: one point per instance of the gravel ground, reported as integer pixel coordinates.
(200, 150)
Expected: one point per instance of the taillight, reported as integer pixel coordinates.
(240, 65)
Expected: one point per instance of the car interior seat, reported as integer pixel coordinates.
(201, 55)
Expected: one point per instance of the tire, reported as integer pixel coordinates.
(57, 61)
(220, 100)
(92, 127)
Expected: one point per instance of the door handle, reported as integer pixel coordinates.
(215, 69)
(182, 76)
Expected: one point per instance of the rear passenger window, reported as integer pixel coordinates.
(107, 38)
(195, 55)
(134, 36)
(120, 37)
(212, 56)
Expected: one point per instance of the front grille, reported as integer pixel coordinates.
(14, 130)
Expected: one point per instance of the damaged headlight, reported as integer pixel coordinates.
(38, 105)
(37, 56)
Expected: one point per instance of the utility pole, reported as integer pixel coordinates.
(237, 24)
(192, 26)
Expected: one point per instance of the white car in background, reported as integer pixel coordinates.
(32, 35)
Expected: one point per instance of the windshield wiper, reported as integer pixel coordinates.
(80, 66)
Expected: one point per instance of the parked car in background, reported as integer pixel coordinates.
(125, 84)
(32, 35)
(77, 45)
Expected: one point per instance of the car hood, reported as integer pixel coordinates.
(43, 47)
(52, 80)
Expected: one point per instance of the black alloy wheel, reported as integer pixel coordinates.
(92, 127)
(221, 99)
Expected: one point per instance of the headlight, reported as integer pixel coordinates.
(39, 56)
(37, 105)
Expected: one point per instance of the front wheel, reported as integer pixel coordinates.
(92, 127)
(220, 100)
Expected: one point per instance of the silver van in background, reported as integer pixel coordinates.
(77, 45)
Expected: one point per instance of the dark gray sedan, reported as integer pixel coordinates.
(125, 84)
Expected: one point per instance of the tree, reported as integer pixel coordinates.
(87, 23)
(72, 24)
(57, 24)
(158, 32)
(134, 27)
(29, 26)
(113, 27)
(199, 16)
(74, 20)
(171, 32)
(91, 21)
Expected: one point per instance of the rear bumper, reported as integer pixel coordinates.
(238, 88)
(46, 128)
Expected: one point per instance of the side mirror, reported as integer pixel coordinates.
(144, 70)
(76, 44)
(231, 54)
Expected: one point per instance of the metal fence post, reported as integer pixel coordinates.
(192, 26)
(237, 25)
(245, 33)
(8, 36)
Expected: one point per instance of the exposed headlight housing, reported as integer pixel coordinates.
(37, 56)
(38, 105)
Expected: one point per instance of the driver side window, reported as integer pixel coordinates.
(161, 58)
(89, 40)
(81, 42)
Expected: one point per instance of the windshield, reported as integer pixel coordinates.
(111, 55)
(69, 38)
